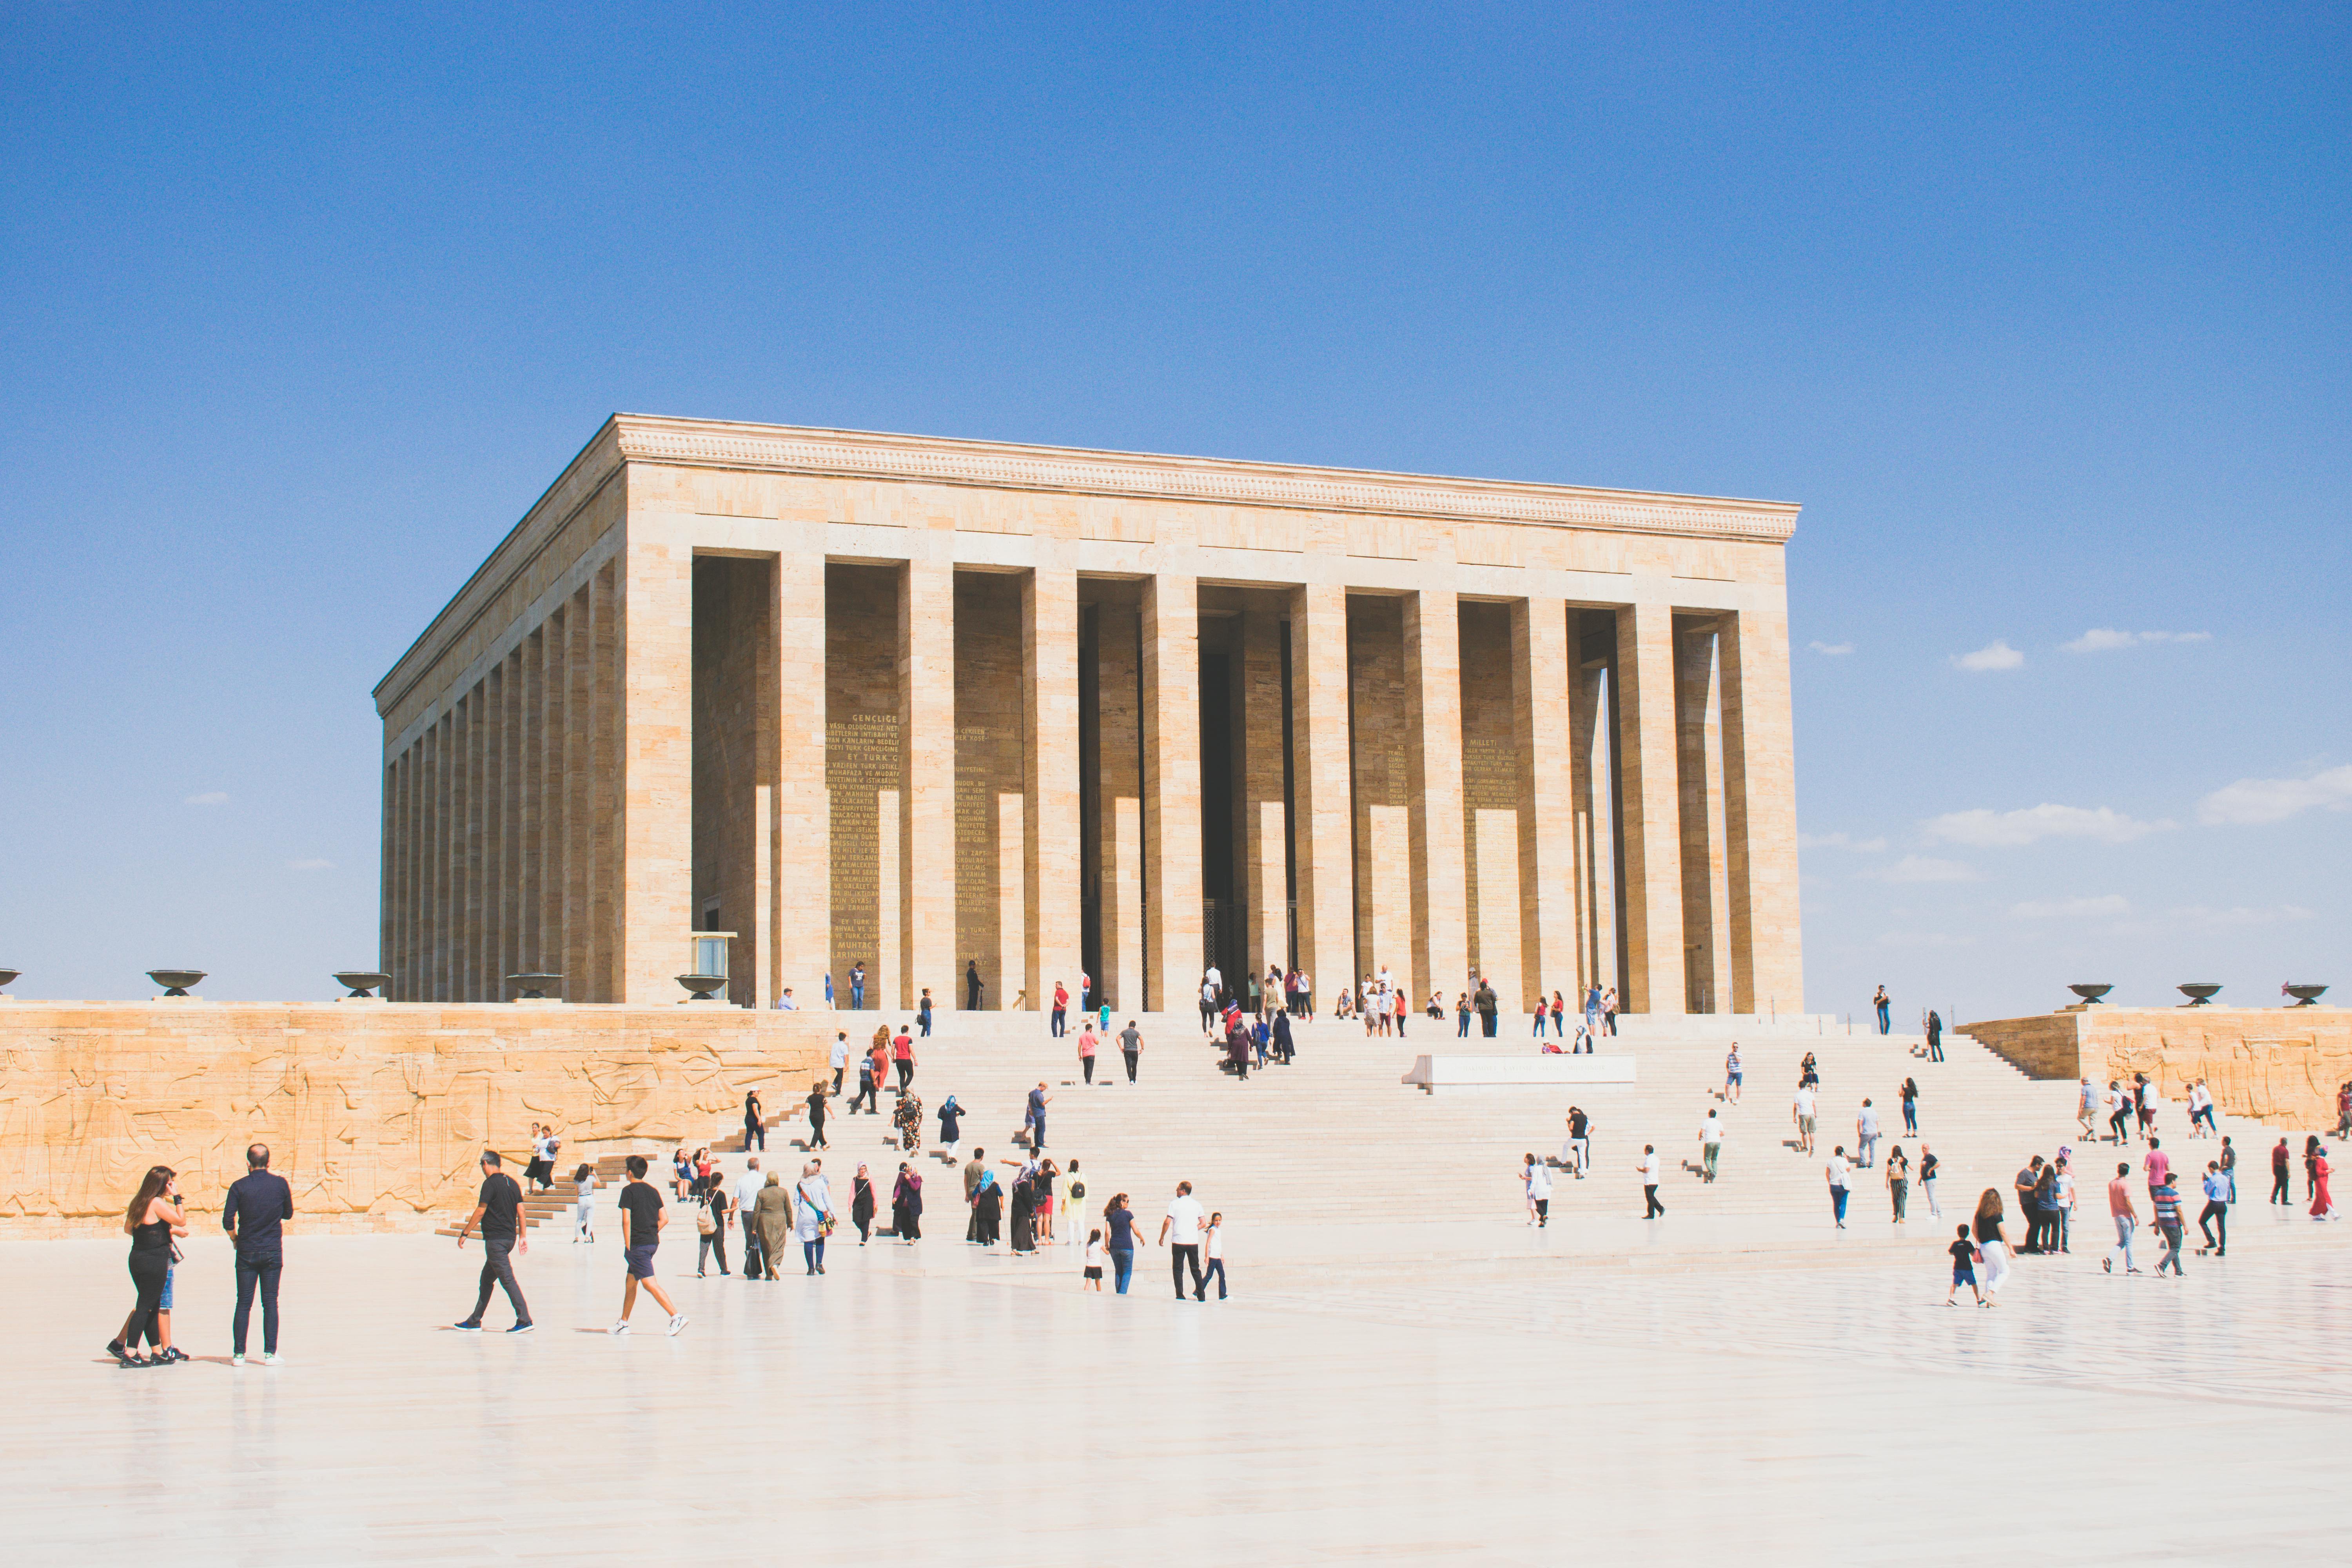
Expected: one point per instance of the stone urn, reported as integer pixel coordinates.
(359, 983)
(8, 978)
(2198, 996)
(703, 987)
(175, 981)
(535, 987)
(2090, 994)
(2305, 996)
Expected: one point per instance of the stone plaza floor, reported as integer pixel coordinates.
(1494, 1403)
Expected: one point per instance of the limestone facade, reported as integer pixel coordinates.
(923, 704)
(376, 1112)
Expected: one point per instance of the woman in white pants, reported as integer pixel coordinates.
(585, 1178)
(1990, 1243)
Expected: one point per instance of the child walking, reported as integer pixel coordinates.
(1093, 1279)
(1964, 1270)
(1216, 1248)
(585, 1178)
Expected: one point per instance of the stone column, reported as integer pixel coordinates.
(388, 901)
(927, 844)
(579, 798)
(1265, 889)
(1591, 789)
(1698, 761)
(650, 713)
(1760, 815)
(1433, 684)
(1319, 748)
(554, 797)
(1645, 703)
(530, 797)
(1052, 905)
(445, 731)
(1541, 664)
(1173, 935)
(1119, 752)
(496, 890)
(795, 875)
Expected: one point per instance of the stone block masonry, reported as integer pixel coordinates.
(921, 703)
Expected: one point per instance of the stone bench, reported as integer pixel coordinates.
(1430, 1073)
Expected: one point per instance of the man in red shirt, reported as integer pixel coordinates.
(2159, 1165)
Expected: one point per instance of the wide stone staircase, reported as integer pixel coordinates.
(559, 1204)
(1337, 1139)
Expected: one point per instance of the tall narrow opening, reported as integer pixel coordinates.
(730, 624)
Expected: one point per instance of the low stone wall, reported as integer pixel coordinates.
(375, 1111)
(2278, 1065)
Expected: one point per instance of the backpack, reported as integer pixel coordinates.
(703, 1224)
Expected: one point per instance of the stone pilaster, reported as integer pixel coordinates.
(1051, 902)
(1646, 793)
(1433, 683)
(1542, 732)
(795, 874)
(649, 711)
(1760, 815)
(1320, 749)
(530, 797)
(926, 836)
(1172, 790)
(609, 778)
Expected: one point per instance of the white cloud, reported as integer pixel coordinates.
(1994, 655)
(2003, 829)
(210, 797)
(1830, 648)
(2105, 640)
(1840, 841)
(1925, 939)
(2070, 909)
(310, 865)
(2251, 801)
(1925, 868)
(2201, 914)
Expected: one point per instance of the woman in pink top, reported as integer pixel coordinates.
(1086, 1049)
(2321, 1204)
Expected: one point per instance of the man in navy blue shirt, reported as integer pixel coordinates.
(259, 1207)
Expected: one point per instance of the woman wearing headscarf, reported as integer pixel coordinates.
(1024, 1214)
(1284, 1048)
(771, 1216)
(1237, 1048)
(907, 1118)
(950, 1123)
(907, 1204)
(987, 1210)
(861, 1204)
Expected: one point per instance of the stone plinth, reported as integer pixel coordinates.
(2280, 1064)
(377, 1115)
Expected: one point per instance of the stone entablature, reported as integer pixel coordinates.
(2278, 1065)
(375, 1112)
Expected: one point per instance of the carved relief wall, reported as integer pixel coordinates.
(375, 1112)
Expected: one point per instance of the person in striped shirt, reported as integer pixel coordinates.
(2166, 1198)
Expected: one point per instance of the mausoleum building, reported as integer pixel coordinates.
(919, 704)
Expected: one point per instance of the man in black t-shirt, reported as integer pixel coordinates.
(498, 1212)
(641, 1218)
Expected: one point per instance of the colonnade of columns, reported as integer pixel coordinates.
(905, 766)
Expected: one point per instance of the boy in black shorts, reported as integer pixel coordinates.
(641, 1218)
(1964, 1270)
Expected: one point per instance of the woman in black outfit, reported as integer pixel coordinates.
(861, 1204)
(1025, 1215)
(151, 1222)
(816, 1116)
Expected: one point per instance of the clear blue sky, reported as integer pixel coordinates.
(2041, 312)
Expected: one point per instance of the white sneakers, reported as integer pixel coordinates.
(271, 1358)
(676, 1321)
(622, 1327)
(238, 1359)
